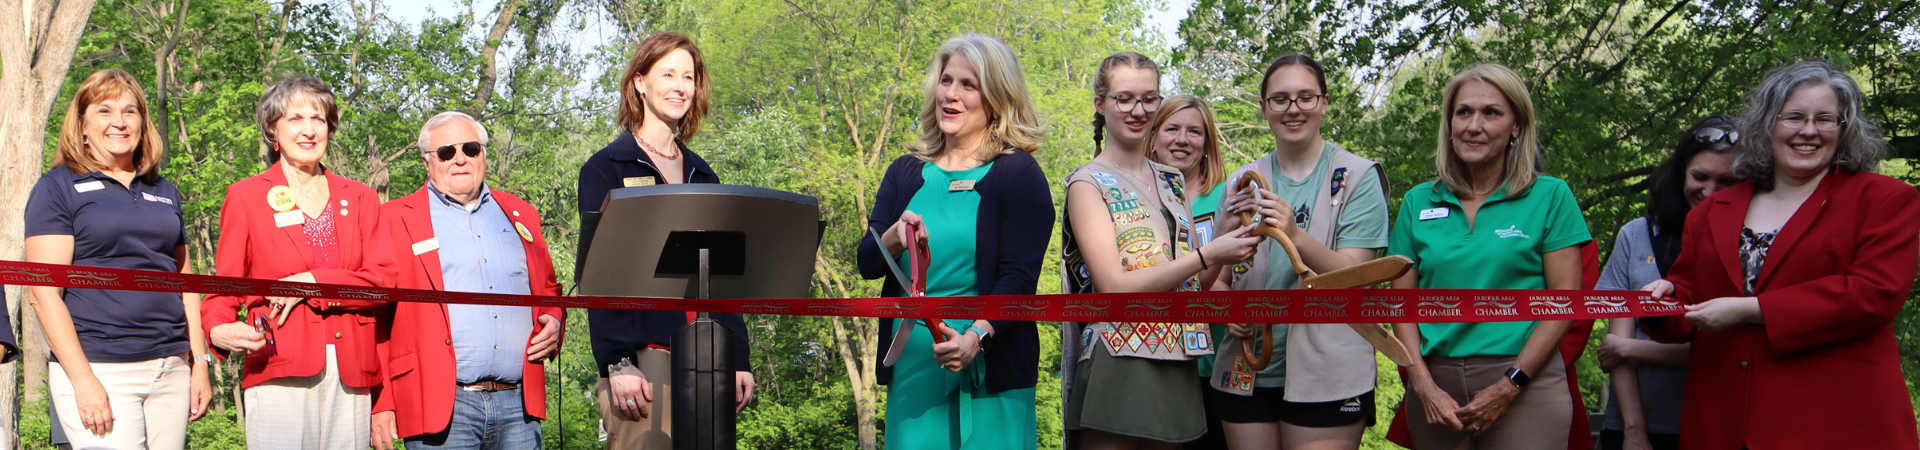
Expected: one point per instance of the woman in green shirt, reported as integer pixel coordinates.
(1491, 221)
(983, 210)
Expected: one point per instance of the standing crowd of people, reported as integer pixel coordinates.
(1791, 254)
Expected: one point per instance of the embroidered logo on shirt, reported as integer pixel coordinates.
(1511, 231)
(155, 198)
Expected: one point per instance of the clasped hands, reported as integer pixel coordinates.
(1476, 417)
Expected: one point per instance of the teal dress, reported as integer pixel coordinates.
(929, 407)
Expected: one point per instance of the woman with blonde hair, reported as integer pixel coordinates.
(1184, 135)
(129, 368)
(1492, 220)
(1128, 230)
(971, 193)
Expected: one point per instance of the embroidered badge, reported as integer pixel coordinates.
(1511, 231)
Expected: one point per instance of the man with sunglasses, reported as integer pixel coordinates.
(466, 376)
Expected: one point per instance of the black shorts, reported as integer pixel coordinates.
(1269, 405)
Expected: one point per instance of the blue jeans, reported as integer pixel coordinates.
(484, 421)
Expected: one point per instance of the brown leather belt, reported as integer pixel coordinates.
(490, 386)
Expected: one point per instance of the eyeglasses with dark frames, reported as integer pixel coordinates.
(1280, 103)
(1126, 104)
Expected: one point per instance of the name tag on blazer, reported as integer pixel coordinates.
(422, 247)
(636, 181)
(89, 186)
(289, 218)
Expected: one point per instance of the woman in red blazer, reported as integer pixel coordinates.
(1791, 281)
(311, 362)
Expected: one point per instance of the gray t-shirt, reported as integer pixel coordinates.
(1631, 266)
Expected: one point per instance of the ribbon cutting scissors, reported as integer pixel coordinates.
(916, 286)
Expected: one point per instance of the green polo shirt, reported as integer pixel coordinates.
(1505, 248)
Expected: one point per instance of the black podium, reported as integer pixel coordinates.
(708, 241)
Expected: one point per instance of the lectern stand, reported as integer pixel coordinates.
(702, 241)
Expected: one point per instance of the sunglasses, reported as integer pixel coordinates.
(1712, 135)
(472, 149)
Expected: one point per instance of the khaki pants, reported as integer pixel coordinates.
(149, 401)
(1538, 419)
(653, 432)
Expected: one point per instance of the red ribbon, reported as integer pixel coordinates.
(1277, 306)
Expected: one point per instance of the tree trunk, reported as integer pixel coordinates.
(37, 42)
(859, 365)
(489, 73)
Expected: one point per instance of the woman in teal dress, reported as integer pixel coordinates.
(973, 194)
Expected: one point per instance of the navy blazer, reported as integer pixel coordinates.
(622, 333)
(1016, 223)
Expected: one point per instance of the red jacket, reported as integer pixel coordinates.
(420, 384)
(252, 246)
(1824, 369)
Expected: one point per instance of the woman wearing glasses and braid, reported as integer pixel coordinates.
(1316, 390)
(1791, 280)
(1648, 377)
(1133, 384)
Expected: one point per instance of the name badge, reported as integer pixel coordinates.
(89, 186)
(961, 185)
(636, 181)
(431, 244)
(289, 218)
(1430, 214)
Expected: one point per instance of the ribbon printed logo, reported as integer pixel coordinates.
(1209, 308)
(1382, 306)
(1606, 304)
(1551, 305)
(1326, 307)
(362, 294)
(1495, 305)
(1156, 308)
(86, 278)
(11, 274)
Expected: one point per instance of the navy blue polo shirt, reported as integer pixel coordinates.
(124, 227)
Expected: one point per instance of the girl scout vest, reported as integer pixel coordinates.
(1151, 226)
(1325, 362)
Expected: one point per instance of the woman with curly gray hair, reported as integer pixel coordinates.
(1792, 279)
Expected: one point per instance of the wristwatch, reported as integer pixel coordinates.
(983, 335)
(208, 357)
(1518, 377)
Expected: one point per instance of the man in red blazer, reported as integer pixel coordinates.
(465, 376)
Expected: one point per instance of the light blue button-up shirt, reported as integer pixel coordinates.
(480, 252)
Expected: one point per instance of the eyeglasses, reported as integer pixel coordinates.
(472, 149)
(1127, 104)
(1822, 122)
(1280, 103)
(1712, 135)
